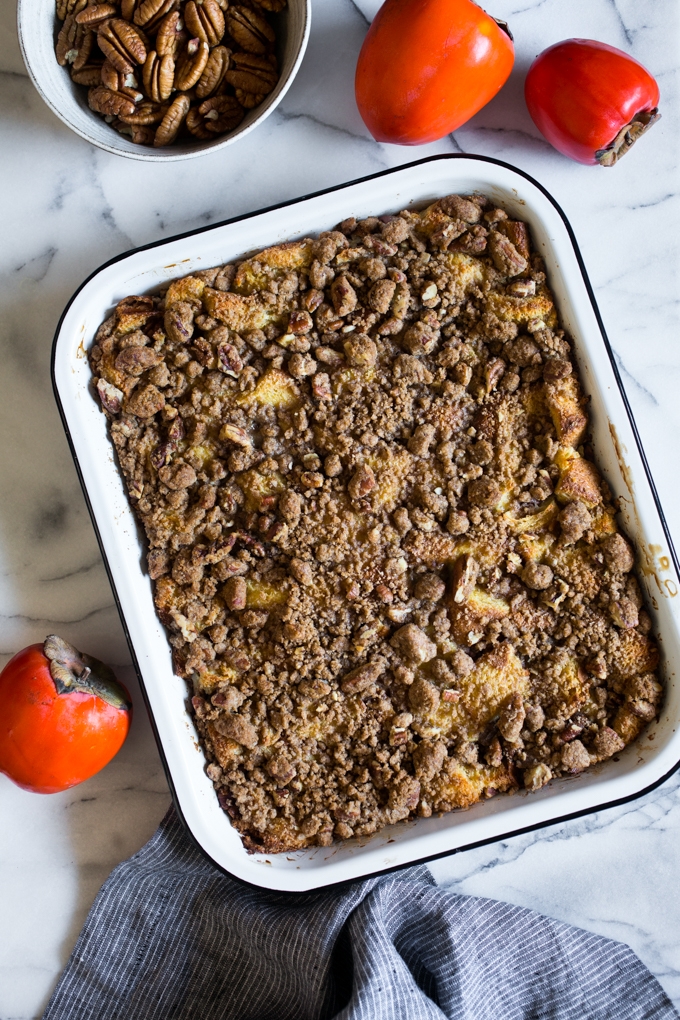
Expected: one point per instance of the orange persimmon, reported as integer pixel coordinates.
(427, 66)
(63, 716)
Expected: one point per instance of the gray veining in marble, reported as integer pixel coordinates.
(66, 208)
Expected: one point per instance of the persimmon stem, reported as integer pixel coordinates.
(72, 671)
(627, 137)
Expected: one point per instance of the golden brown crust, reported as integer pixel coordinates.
(388, 566)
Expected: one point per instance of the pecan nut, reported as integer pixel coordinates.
(158, 75)
(252, 74)
(248, 100)
(89, 75)
(74, 44)
(250, 30)
(215, 116)
(109, 103)
(273, 5)
(205, 20)
(95, 14)
(66, 7)
(168, 129)
(145, 114)
(214, 72)
(171, 36)
(150, 13)
(116, 80)
(196, 126)
(191, 64)
(141, 134)
(122, 44)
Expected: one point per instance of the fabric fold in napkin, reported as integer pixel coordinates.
(169, 937)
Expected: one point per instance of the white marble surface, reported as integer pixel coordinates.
(66, 208)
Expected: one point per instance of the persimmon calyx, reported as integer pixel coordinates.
(73, 671)
(627, 137)
(504, 27)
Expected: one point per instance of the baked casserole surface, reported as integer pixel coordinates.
(387, 563)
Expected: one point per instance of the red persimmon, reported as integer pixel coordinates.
(427, 66)
(590, 100)
(63, 716)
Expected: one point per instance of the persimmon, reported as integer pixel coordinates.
(63, 716)
(427, 66)
(590, 100)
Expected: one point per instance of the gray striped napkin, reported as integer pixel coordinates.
(171, 938)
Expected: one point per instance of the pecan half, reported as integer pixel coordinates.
(248, 100)
(122, 44)
(145, 114)
(142, 134)
(158, 75)
(217, 115)
(273, 5)
(150, 13)
(196, 126)
(74, 44)
(205, 20)
(250, 30)
(89, 75)
(171, 36)
(66, 7)
(214, 72)
(95, 14)
(109, 103)
(251, 74)
(191, 64)
(168, 128)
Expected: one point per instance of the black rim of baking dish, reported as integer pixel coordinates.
(560, 819)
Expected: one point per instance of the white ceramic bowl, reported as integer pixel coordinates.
(647, 762)
(38, 27)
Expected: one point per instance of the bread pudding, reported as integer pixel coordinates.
(389, 568)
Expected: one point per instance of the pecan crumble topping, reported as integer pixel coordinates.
(387, 563)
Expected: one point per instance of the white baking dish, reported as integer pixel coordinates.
(638, 768)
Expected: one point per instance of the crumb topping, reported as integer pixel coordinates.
(388, 565)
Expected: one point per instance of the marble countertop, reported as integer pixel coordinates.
(67, 207)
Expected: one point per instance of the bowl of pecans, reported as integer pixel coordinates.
(163, 79)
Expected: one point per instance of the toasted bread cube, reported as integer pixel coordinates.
(566, 410)
(627, 724)
(275, 388)
(575, 566)
(261, 595)
(226, 750)
(466, 272)
(391, 470)
(533, 523)
(189, 288)
(497, 675)
(580, 480)
(347, 255)
(572, 691)
(523, 310)
(257, 487)
(469, 619)
(209, 680)
(604, 524)
(282, 258)
(637, 654)
(533, 547)
(459, 785)
(128, 322)
(238, 312)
